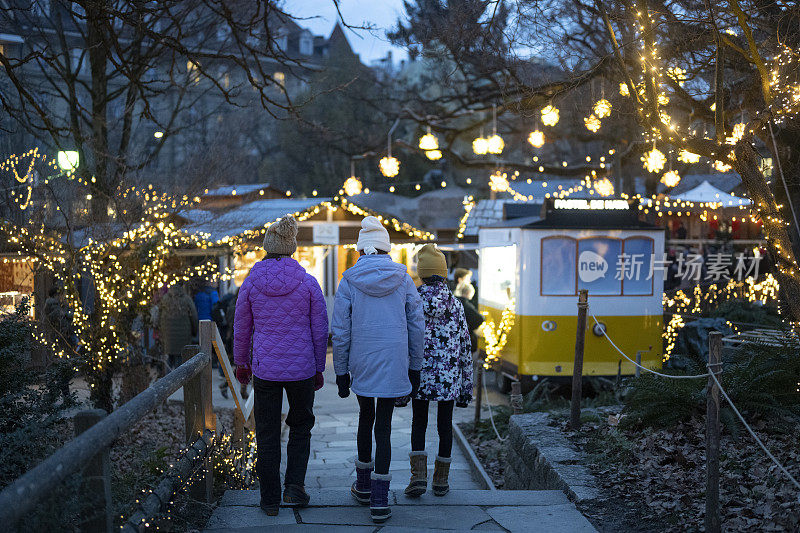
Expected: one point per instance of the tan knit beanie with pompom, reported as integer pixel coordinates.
(281, 237)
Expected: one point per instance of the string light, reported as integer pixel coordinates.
(623, 89)
(671, 179)
(686, 156)
(654, 160)
(602, 108)
(496, 335)
(550, 115)
(352, 186)
(604, 187)
(536, 138)
(498, 181)
(592, 123)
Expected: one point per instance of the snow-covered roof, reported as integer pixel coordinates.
(489, 213)
(707, 193)
(242, 188)
(436, 209)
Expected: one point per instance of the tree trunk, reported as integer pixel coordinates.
(774, 227)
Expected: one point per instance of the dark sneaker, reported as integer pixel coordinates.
(295, 495)
(271, 509)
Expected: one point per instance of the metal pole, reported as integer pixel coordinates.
(638, 371)
(96, 482)
(713, 523)
(577, 369)
(478, 391)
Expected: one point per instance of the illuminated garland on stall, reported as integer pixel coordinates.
(496, 336)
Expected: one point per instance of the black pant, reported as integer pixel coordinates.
(267, 412)
(444, 425)
(381, 420)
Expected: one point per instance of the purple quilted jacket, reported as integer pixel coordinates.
(280, 312)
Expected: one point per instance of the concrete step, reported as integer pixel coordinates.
(337, 497)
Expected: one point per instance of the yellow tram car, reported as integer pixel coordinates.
(534, 266)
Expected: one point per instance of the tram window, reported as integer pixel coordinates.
(558, 266)
(639, 252)
(597, 266)
(498, 274)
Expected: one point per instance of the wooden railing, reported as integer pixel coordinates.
(88, 452)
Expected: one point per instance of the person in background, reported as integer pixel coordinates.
(219, 314)
(204, 300)
(177, 323)
(281, 314)
(464, 276)
(378, 335)
(464, 293)
(446, 375)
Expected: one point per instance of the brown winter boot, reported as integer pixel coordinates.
(441, 471)
(419, 474)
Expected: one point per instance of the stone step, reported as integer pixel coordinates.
(335, 497)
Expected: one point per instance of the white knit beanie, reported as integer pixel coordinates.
(373, 236)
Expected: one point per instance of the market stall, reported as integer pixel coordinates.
(530, 274)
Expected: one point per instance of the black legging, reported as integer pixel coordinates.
(444, 425)
(382, 422)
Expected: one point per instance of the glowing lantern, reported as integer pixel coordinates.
(389, 166)
(433, 155)
(549, 115)
(686, 156)
(592, 123)
(654, 160)
(498, 181)
(623, 89)
(480, 146)
(429, 141)
(671, 178)
(602, 108)
(495, 144)
(604, 187)
(352, 186)
(536, 138)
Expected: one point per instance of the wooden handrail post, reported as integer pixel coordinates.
(516, 397)
(713, 523)
(577, 369)
(199, 412)
(96, 478)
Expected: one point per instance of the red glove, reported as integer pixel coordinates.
(319, 381)
(243, 374)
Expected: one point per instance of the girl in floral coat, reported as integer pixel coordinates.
(446, 375)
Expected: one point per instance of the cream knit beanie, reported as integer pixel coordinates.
(281, 237)
(373, 236)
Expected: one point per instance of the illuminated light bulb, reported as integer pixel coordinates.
(480, 146)
(736, 134)
(352, 186)
(654, 160)
(550, 115)
(495, 144)
(429, 141)
(623, 89)
(592, 123)
(678, 74)
(433, 155)
(721, 166)
(389, 166)
(686, 156)
(417, 186)
(663, 99)
(604, 187)
(671, 178)
(498, 181)
(391, 189)
(536, 138)
(602, 108)
(469, 181)
(158, 134)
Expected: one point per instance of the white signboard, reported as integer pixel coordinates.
(326, 234)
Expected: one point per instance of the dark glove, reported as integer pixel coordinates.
(343, 382)
(319, 381)
(243, 374)
(463, 400)
(413, 376)
(402, 401)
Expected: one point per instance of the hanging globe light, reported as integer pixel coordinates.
(389, 166)
(495, 144)
(623, 89)
(604, 187)
(721, 166)
(498, 181)
(686, 156)
(654, 160)
(671, 179)
(429, 141)
(549, 115)
(352, 186)
(536, 138)
(433, 155)
(602, 108)
(480, 146)
(592, 123)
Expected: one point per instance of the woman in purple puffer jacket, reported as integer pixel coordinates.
(281, 315)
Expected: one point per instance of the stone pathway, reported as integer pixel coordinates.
(468, 507)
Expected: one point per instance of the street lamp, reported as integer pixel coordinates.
(68, 160)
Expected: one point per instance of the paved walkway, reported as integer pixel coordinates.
(331, 471)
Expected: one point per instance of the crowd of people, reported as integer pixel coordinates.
(394, 342)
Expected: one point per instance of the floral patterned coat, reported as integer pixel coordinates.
(447, 364)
